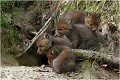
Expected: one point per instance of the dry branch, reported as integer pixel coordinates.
(89, 54)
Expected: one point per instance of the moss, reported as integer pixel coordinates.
(10, 39)
(77, 52)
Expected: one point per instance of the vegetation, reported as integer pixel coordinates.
(102, 7)
(12, 42)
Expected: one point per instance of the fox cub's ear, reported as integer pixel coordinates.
(88, 14)
(47, 36)
(98, 15)
(55, 52)
(70, 23)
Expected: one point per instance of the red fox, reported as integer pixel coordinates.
(80, 35)
(90, 19)
(61, 58)
(46, 41)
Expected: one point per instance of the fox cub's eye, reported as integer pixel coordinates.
(52, 52)
(41, 46)
(91, 24)
(61, 29)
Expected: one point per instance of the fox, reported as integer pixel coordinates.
(91, 19)
(81, 36)
(46, 41)
(61, 58)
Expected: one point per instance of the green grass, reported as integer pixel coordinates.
(107, 9)
(10, 40)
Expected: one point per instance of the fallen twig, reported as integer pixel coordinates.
(105, 58)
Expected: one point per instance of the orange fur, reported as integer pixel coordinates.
(61, 58)
(77, 16)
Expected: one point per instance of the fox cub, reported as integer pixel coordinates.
(80, 35)
(91, 19)
(46, 41)
(61, 58)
